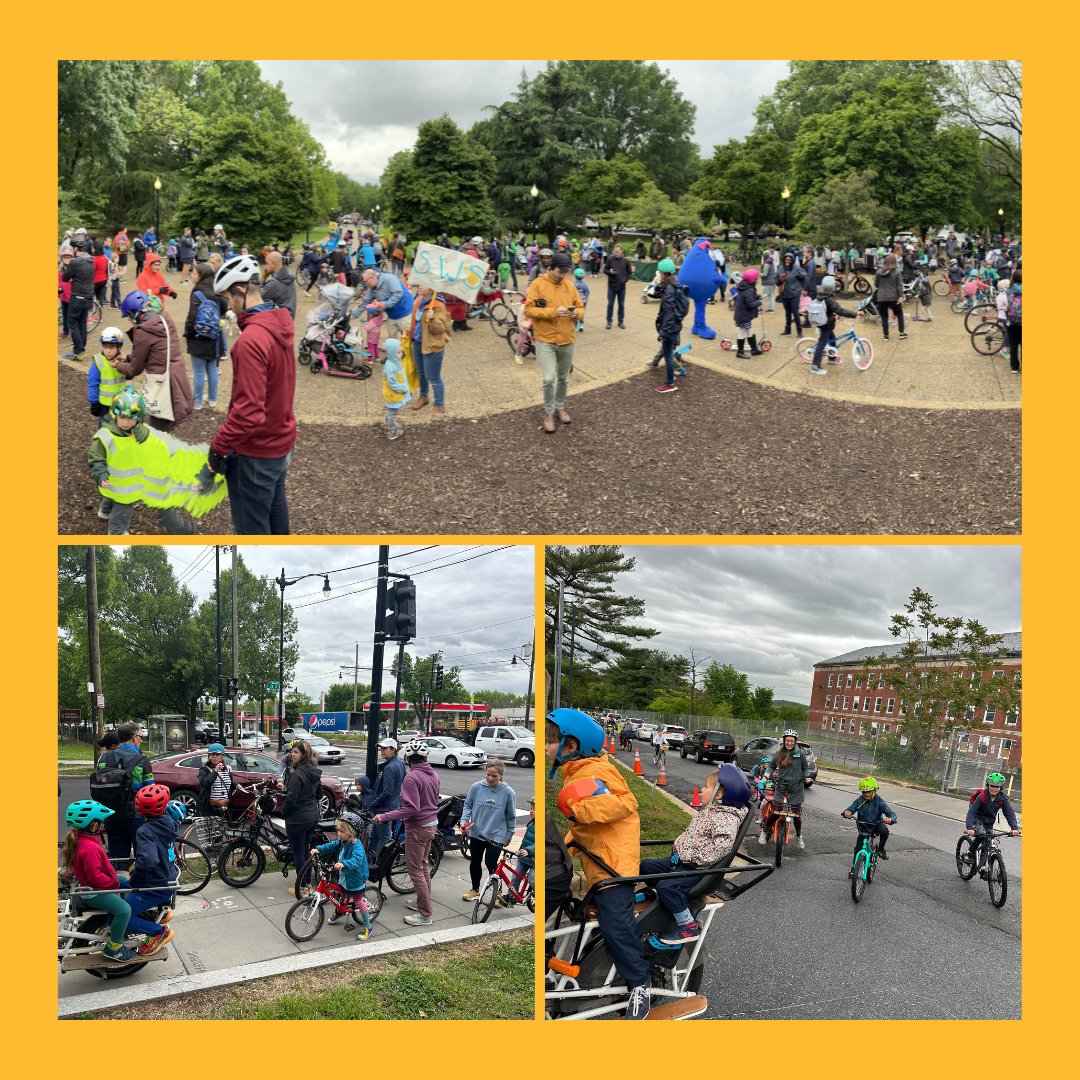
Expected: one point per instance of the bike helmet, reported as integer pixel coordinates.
(133, 304)
(996, 779)
(219, 228)
(477, 240)
(792, 732)
(80, 242)
(751, 275)
(415, 748)
(579, 272)
(151, 800)
(239, 270)
(580, 726)
(733, 781)
(112, 335)
(666, 266)
(215, 748)
(868, 783)
(176, 810)
(827, 286)
(82, 813)
(130, 403)
(352, 819)
(766, 760)
(545, 251)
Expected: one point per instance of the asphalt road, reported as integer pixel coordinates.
(921, 945)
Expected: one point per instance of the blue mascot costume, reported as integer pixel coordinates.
(701, 277)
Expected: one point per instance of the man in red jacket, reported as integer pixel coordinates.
(254, 445)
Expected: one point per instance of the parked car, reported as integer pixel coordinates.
(325, 754)
(705, 745)
(180, 774)
(645, 732)
(673, 733)
(751, 753)
(405, 734)
(502, 741)
(453, 753)
(253, 740)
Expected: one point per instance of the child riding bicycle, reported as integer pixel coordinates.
(350, 861)
(873, 812)
(983, 811)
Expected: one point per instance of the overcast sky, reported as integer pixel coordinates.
(362, 111)
(478, 612)
(773, 612)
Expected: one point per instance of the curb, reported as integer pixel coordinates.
(71, 1007)
(666, 794)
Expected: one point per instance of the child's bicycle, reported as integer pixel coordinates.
(993, 869)
(521, 348)
(306, 917)
(492, 895)
(862, 352)
(777, 817)
(864, 865)
(659, 755)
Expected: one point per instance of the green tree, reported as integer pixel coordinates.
(846, 210)
(447, 184)
(499, 699)
(742, 181)
(256, 182)
(165, 134)
(727, 686)
(761, 703)
(988, 95)
(600, 186)
(942, 674)
(638, 676)
(790, 714)
(653, 210)
(339, 696)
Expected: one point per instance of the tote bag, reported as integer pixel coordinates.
(156, 388)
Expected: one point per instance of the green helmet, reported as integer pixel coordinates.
(130, 403)
(868, 783)
(995, 778)
(666, 266)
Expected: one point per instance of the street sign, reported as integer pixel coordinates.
(101, 701)
(71, 716)
(273, 686)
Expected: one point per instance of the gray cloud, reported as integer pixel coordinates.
(477, 612)
(774, 611)
(365, 110)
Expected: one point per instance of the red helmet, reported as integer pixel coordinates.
(150, 801)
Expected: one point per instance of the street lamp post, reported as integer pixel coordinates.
(785, 195)
(157, 208)
(527, 651)
(535, 193)
(1001, 222)
(376, 217)
(283, 583)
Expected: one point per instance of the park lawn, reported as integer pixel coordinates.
(75, 751)
(488, 978)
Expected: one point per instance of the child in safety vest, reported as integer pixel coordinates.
(395, 389)
(103, 380)
(132, 463)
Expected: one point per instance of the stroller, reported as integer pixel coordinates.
(447, 819)
(652, 290)
(330, 345)
(581, 982)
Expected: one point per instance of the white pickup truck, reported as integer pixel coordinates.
(515, 744)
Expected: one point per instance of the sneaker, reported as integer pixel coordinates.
(681, 371)
(665, 388)
(622, 326)
(411, 904)
(438, 410)
(419, 920)
(63, 337)
(608, 327)
(681, 935)
(881, 854)
(392, 435)
(365, 933)
(198, 405)
(119, 953)
(637, 1008)
(165, 916)
(800, 843)
(156, 942)
(652, 363)
(71, 356)
(761, 838)
(211, 404)
(335, 918)
(500, 902)
(817, 370)
(563, 415)
(902, 335)
(104, 511)
(472, 894)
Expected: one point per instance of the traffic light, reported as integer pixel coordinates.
(438, 676)
(400, 621)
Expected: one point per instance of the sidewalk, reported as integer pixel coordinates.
(226, 935)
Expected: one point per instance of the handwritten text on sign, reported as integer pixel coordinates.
(449, 271)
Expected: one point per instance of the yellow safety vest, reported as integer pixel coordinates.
(160, 472)
(111, 382)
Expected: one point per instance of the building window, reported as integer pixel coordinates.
(999, 673)
(848, 681)
(855, 704)
(885, 729)
(824, 723)
(842, 724)
(881, 681)
(984, 744)
(832, 724)
(989, 714)
(877, 704)
(889, 706)
(969, 713)
(1006, 747)
(858, 683)
(846, 700)
(1011, 717)
(830, 678)
(1016, 679)
(828, 698)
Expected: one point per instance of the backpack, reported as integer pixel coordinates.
(819, 312)
(208, 319)
(681, 302)
(1013, 307)
(113, 786)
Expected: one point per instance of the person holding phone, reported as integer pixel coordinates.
(215, 782)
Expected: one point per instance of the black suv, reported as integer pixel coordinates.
(708, 746)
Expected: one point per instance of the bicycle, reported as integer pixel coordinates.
(983, 311)
(501, 313)
(982, 293)
(864, 864)
(854, 284)
(779, 819)
(194, 867)
(967, 862)
(306, 917)
(659, 756)
(519, 890)
(93, 316)
(388, 863)
(214, 831)
(988, 338)
(862, 352)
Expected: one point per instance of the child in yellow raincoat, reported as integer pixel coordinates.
(400, 382)
(603, 816)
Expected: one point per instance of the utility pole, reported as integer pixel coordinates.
(570, 680)
(557, 673)
(235, 649)
(94, 688)
(397, 687)
(528, 693)
(356, 678)
(378, 647)
(217, 601)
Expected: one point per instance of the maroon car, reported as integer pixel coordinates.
(180, 774)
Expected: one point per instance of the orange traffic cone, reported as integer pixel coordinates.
(611, 745)
(637, 762)
(696, 800)
(661, 780)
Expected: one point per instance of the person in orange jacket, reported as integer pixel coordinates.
(603, 817)
(150, 280)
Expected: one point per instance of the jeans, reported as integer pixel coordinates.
(417, 849)
(555, 363)
(884, 307)
(114, 294)
(768, 292)
(613, 293)
(397, 267)
(791, 312)
(64, 306)
(123, 920)
(1014, 338)
(78, 309)
(824, 333)
(392, 422)
(121, 836)
(673, 892)
(205, 371)
(615, 914)
(430, 371)
(482, 851)
(667, 347)
(300, 844)
(120, 517)
(257, 493)
(380, 834)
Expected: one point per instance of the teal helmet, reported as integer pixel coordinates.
(666, 266)
(80, 814)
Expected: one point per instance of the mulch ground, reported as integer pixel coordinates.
(719, 456)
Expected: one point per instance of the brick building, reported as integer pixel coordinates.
(846, 702)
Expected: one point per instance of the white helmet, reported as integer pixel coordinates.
(792, 732)
(828, 285)
(112, 335)
(218, 228)
(477, 240)
(239, 270)
(415, 748)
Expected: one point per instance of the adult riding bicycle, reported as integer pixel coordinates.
(992, 870)
(862, 352)
(777, 820)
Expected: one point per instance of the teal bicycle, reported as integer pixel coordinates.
(864, 865)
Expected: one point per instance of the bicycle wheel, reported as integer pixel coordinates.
(997, 879)
(93, 316)
(979, 313)
(502, 317)
(530, 899)
(804, 349)
(374, 898)
(858, 877)
(465, 852)
(862, 287)
(308, 878)
(988, 338)
(512, 336)
(942, 287)
(305, 918)
(862, 353)
(194, 867)
(484, 904)
(966, 857)
(871, 870)
(209, 833)
(959, 305)
(397, 877)
(778, 831)
(435, 858)
(241, 863)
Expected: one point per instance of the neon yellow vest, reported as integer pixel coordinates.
(160, 472)
(112, 381)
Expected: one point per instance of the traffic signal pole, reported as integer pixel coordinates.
(378, 648)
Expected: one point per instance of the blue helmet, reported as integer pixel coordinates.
(82, 813)
(736, 788)
(176, 810)
(215, 748)
(580, 726)
(133, 303)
